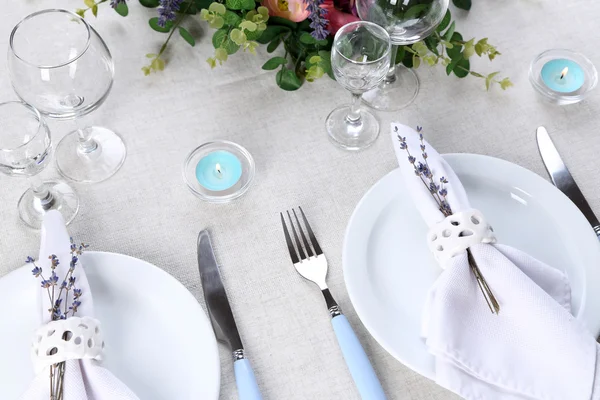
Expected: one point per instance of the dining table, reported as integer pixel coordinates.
(146, 211)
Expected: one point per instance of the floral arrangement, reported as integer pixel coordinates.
(305, 28)
(61, 308)
(439, 193)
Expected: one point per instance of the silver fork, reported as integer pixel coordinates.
(312, 265)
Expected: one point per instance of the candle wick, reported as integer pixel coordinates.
(564, 72)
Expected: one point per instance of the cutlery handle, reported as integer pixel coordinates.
(246, 381)
(357, 361)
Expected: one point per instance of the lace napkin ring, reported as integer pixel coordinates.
(457, 232)
(73, 338)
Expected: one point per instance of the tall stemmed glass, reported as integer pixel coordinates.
(25, 150)
(61, 66)
(407, 21)
(360, 58)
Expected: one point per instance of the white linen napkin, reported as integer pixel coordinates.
(84, 379)
(534, 348)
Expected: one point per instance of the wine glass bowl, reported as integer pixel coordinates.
(407, 22)
(61, 66)
(25, 150)
(360, 58)
(65, 72)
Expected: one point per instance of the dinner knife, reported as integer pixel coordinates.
(562, 179)
(222, 319)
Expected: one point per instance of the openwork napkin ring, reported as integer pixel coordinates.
(457, 233)
(73, 338)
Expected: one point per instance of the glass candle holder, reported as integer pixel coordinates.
(219, 171)
(562, 76)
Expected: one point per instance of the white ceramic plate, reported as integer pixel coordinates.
(159, 341)
(388, 268)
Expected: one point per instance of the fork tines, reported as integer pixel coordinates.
(303, 247)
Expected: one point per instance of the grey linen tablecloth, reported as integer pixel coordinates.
(147, 212)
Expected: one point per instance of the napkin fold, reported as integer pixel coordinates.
(534, 348)
(84, 379)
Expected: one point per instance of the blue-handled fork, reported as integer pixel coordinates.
(312, 265)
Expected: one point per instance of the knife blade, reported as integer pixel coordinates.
(562, 178)
(221, 318)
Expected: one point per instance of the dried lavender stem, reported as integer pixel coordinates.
(485, 289)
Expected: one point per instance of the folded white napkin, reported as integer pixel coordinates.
(534, 348)
(84, 379)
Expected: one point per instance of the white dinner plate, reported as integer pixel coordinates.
(388, 268)
(159, 341)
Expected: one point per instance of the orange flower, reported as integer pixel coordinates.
(294, 10)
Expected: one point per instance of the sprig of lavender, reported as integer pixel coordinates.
(115, 3)
(423, 171)
(439, 193)
(318, 19)
(57, 311)
(167, 10)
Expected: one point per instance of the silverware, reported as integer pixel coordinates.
(222, 319)
(561, 177)
(312, 265)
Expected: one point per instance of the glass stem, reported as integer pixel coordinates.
(391, 75)
(353, 116)
(86, 144)
(40, 192)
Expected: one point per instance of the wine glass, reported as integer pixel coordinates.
(407, 21)
(360, 58)
(25, 150)
(62, 67)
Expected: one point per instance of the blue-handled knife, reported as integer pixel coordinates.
(562, 179)
(222, 319)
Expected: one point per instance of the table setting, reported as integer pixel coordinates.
(178, 213)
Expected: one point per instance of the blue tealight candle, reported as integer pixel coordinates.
(562, 75)
(218, 171)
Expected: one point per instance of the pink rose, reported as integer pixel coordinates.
(336, 18)
(294, 10)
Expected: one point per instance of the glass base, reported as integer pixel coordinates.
(96, 165)
(395, 95)
(349, 135)
(64, 199)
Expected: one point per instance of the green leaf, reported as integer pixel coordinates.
(415, 10)
(200, 4)
(89, 3)
(95, 10)
(476, 74)
(400, 55)
(462, 4)
(188, 7)
(432, 42)
(326, 62)
(307, 38)
(150, 3)
(150, 55)
(489, 79)
(450, 32)
(187, 36)
(221, 39)
(450, 67)
(462, 68)
(154, 25)
(283, 22)
(271, 32)
(274, 63)
(217, 8)
(305, 25)
(274, 44)
(445, 22)
(287, 80)
(231, 18)
(240, 4)
(416, 61)
(505, 83)
(122, 9)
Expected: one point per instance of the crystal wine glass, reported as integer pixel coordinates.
(360, 58)
(407, 21)
(62, 67)
(25, 150)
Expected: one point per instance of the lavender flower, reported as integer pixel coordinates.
(318, 20)
(74, 306)
(443, 192)
(76, 293)
(115, 3)
(71, 282)
(30, 260)
(53, 279)
(167, 10)
(37, 271)
(63, 285)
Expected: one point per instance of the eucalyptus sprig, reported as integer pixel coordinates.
(447, 46)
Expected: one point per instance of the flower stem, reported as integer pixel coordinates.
(175, 26)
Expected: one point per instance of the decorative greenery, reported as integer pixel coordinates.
(244, 25)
